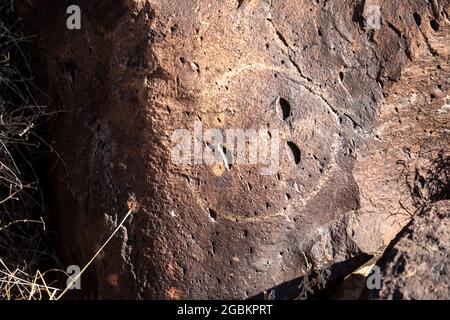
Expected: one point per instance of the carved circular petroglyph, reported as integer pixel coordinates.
(308, 143)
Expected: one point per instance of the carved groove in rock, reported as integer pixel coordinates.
(138, 70)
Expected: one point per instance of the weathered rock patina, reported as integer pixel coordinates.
(416, 265)
(356, 109)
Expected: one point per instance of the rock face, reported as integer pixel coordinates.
(359, 114)
(418, 264)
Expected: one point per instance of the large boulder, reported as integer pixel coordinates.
(358, 111)
(417, 265)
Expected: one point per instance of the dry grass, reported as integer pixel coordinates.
(74, 279)
(24, 244)
(23, 237)
(16, 284)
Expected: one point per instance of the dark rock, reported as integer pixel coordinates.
(352, 107)
(417, 264)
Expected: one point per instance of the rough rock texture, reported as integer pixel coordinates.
(361, 114)
(418, 264)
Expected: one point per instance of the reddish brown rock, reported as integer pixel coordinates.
(417, 264)
(353, 107)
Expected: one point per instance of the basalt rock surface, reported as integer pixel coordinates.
(417, 266)
(361, 114)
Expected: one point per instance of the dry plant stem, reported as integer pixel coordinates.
(2, 228)
(130, 212)
(28, 289)
(23, 241)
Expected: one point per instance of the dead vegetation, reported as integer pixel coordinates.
(23, 235)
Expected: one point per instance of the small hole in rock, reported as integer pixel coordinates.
(341, 76)
(296, 153)
(434, 25)
(228, 158)
(417, 19)
(284, 108)
(213, 214)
